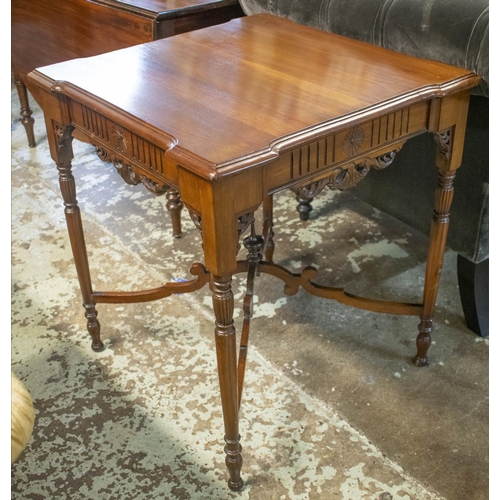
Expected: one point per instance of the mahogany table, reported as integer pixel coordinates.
(50, 31)
(230, 115)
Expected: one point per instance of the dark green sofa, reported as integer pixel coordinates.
(451, 31)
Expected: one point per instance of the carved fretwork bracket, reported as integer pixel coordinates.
(243, 223)
(63, 140)
(196, 218)
(345, 176)
(444, 143)
(128, 172)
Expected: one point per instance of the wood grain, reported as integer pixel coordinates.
(242, 92)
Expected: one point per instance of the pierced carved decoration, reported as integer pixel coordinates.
(243, 222)
(345, 176)
(153, 186)
(310, 191)
(128, 173)
(102, 153)
(63, 138)
(196, 218)
(383, 161)
(444, 142)
(353, 141)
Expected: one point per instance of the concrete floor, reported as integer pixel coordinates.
(333, 407)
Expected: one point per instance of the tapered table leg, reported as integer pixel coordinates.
(64, 155)
(225, 342)
(26, 112)
(439, 232)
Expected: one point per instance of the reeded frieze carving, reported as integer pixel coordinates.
(343, 145)
(115, 138)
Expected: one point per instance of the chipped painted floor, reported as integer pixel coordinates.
(332, 409)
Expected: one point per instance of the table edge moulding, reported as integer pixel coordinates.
(304, 146)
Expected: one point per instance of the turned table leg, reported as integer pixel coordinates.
(225, 342)
(63, 157)
(439, 232)
(26, 112)
(174, 206)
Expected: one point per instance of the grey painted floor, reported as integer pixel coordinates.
(333, 407)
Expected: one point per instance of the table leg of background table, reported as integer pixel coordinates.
(225, 342)
(439, 232)
(63, 157)
(26, 112)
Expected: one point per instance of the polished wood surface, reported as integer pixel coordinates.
(264, 82)
(47, 31)
(50, 31)
(228, 116)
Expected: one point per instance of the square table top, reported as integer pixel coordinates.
(236, 94)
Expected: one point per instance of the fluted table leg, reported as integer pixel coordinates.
(225, 342)
(64, 155)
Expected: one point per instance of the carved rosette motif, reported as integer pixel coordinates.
(345, 176)
(353, 141)
(118, 139)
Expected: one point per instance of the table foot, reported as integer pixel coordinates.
(304, 208)
(234, 461)
(93, 327)
(423, 343)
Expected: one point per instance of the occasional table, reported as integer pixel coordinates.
(230, 115)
